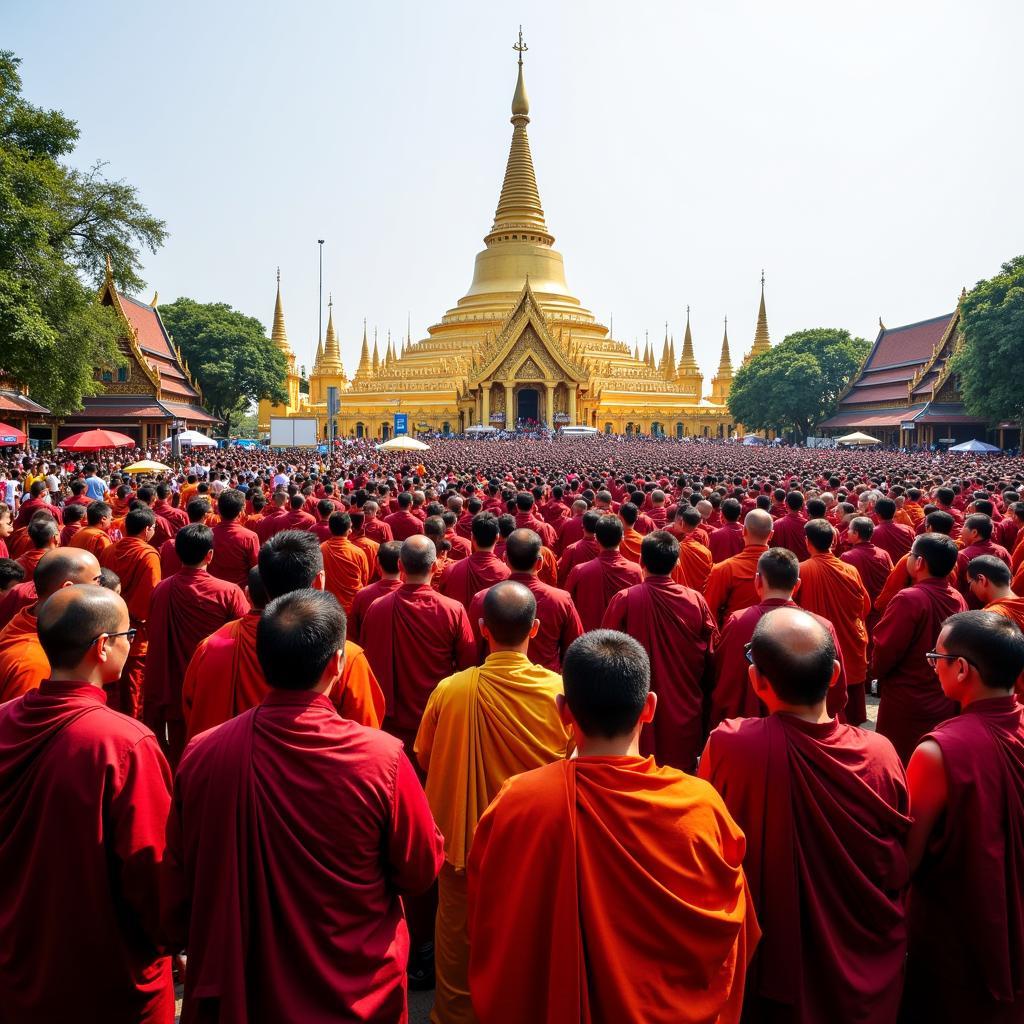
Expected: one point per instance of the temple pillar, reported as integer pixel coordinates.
(510, 414)
(485, 405)
(549, 409)
(572, 405)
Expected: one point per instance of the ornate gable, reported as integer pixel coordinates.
(525, 349)
(129, 344)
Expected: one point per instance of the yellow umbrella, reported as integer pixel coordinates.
(147, 466)
(403, 443)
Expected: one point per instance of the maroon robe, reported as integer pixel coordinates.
(569, 531)
(361, 603)
(84, 793)
(593, 585)
(403, 525)
(378, 530)
(966, 959)
(726, 541)
(911, 699)
(21, 595)
(466, 578)
(675, 626)
(235, 551)
(788, 532)
(824, 807)
(528, 521)
(895, 538)
(293, 834)
(580, 551)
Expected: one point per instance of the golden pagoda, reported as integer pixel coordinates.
(279, 336)
(517, 347)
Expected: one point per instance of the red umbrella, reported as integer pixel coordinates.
(92, 440)
(11, 435)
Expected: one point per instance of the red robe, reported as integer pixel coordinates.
(185, 610)
(874, 566)
(824, 808)
(378, 530)
(730, 586)
(559, 622)
(465, 579)
(84, 794)
(235, 551)
(403, 525)
(966, 960)
(726, 541)
(21, 595)
(593, 585)
(362, 602)
(679, 633)
(577, 553)
(911, 699)
(293, 834)
(414, 638)
(789, 533)
(569, 531)
(894, 538)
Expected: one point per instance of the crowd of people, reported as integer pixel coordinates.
(566, 730)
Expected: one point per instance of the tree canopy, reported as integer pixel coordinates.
(229, 354)
(58, 225)
(798, 382)
(991, 362)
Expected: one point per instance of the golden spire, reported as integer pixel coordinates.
(376, 356)
(331, 361)
(519, 203)
(670, 366)
(279, 336)
(663, 365)
(364, 356)
(687, 362)
(319, 355)
(725, 363)
(762, 342)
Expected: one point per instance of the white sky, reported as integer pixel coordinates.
(869, 156)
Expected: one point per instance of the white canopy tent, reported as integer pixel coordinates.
(974, 445)
(197, 440)
(857, 438)
(403, 443)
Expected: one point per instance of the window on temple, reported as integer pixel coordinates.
(122, 374)
(108, 377)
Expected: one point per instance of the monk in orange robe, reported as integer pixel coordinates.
(695, 559)
(989, 580)
(23, 663)
(365, 544)
(631, 539)
(481, 726)
(95, 536)
(345, 565)
(44, 534)
(730, 586)
(606, 888)
(137, 564)
(834, 590)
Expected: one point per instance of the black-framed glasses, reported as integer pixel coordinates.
(130, 633)
(934, 657)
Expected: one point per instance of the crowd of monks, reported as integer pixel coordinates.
(566, 731)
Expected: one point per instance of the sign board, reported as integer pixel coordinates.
(908, 426)
(8, 439)
(293, 432)
(497, 417)
(561, 417)
(332, 401)
(401, 423)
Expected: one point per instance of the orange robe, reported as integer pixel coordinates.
(23, 665)
(694, 566)
(91, 538)
(30, 560)
(630, 546)
(548, 571)
(608, 889)
(899, 579)
(347, 569)
(369, 548)
(1011, 608)
(730, 586)
(224, 679)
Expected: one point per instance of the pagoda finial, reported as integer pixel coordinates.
(375, 363)
(364, 356)
(687, 362)
(725, 362)
(109, 272)
(278, 334)
(331, 361)
(762, 340)
(881, 326)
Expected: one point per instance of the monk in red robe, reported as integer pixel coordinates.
(84, 793)
(966, 956)
(44, 535)
(235, 548)
(465, 579)
(374, 527)
(593, 584)
(74, 521)
(989, 580)
(675, 627)
(389, 571)
(824, 807)
(617, 869)
(976, 537)
(570, 530)
(899, 579)
(891, 536)
(94, 536)
(911, 700)
(403, 524)
(727, 540)
(294, 834)
(776, 581)
(872, 563)
(730, 586)
(789, 527)
(345, 566)
(580, 551)
(137, 564)
(834, 590)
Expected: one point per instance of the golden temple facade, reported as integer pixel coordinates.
(516, 348)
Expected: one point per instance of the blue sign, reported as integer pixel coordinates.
(401, 423)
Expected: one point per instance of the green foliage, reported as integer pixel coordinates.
(229, 353)
(798, 382)
(57, 227)
(991, 362)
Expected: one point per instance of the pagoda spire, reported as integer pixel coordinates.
(376, 354)
(364, 356)
(278, 335)
(762, 342)
(725, 362)
(319, 355)
(663, 365)
(670, 366)
(331, 360)
(519, 202)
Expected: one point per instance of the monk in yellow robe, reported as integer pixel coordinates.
(989, 580)
(481, 726)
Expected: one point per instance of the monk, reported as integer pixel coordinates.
(84, 793)
(403, 524)
(11, 574)
(294, 834)
(197, 512)
(675, 627)
(989, 580)
(631, 539)
(365, 544)
(899, 579)
(776, 581)
(388, 558)
(74, 521)
(834, 590)
(224, 678)
(593, 584)
(825, 810)
(892, 537)
(137, 564)
(873, 564)
(270, 523)
(966, 957)
(44, 534)
(616, 870)
(235, 548)
(570, 530)
(693, 568)
(911, 700)
(559, 621)
(465, 579)
(94, 535)
(346, 567)
(789, 527)
(730, 586)
(374, 527)
(727, 540)
(6, 529)
(976, 538)
(23, 664)
(38, 500)
(480, 727)
(580, 551)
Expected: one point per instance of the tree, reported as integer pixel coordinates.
(798, 382)
(990, 363)
(58, 226)
(229, 353)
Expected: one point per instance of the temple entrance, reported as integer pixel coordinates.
(528, 404)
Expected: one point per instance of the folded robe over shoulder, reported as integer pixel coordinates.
(607, 889)
(23, 663)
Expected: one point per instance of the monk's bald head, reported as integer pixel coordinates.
(71, 620)
(795, 653)
(418, 558)
(509, 613)
(758, 525)
(63, 566)
(522, 550)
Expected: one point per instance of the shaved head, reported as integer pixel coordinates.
(759, 525)
(509, 612)
(522, 549)
(795, 653)
(70, 620)
(61, 566)
(418, 557)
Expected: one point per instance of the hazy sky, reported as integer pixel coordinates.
(869, 156)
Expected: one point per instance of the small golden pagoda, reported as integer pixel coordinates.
(517, 347)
